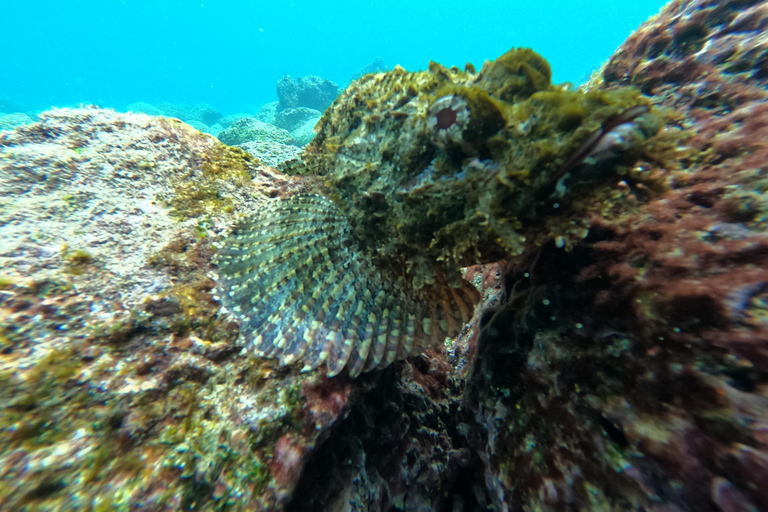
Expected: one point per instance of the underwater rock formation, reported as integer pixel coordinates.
(273, 154)
(9, 121)
(120, 388)
(630, 373)
(247, 129)
(306, 91)
(300, 123)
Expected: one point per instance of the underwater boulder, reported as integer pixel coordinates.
(202, 113)
(300, 122)
(144, 108)
(291, 118)
(248, 129)
(10, 121)
(268, 112)
(271, 153)
(307, 91)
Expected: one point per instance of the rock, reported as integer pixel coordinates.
(308, 91)
(271, 153)
(145, 108)
(202, 113)
(247, 129)
(304, 132)
(10, 121)
(106, 226)
(268, 112)
(631, 362)
(226, 121)
(291, 118)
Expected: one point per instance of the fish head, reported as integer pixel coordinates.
(446, 168)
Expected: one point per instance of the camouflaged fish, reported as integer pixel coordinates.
(417, 175)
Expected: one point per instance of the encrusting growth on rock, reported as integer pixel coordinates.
(419, 175)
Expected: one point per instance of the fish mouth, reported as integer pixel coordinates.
(615, 134)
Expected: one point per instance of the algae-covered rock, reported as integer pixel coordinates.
(248, 129)
(111, 351)
(307, 91)
(268, 112)
(291, 118)
(271, 153)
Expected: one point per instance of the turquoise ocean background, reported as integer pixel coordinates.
(231, 53)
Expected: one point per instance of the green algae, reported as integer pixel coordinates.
(194, 198)
(77, 261)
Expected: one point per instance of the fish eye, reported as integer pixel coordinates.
(448, 118)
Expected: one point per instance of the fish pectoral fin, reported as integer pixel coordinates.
(303, 291)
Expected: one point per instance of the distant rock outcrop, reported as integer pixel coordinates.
(202, 113)
(300, 122)
(8, 121)
(307, 91)
(248, 129)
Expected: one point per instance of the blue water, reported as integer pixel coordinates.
(230, 53)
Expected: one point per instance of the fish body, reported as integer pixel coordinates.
(417, 175)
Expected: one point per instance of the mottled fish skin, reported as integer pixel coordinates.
(420, 174)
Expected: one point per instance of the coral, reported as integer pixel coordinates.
(248, 129)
